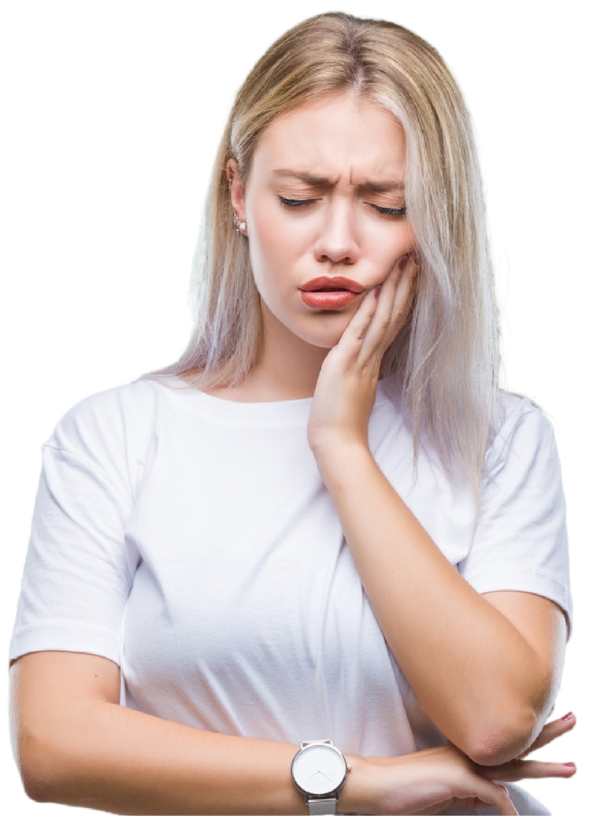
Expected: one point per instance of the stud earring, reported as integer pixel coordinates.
(240, 226)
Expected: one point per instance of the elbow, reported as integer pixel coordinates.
(495, 749)
(502, 740)
(33, 786)
(36, 789)
(41, 768)
(512, 725)
(36, 776)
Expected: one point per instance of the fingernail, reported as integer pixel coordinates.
(571, 765)
(377, 291)
(567, 717)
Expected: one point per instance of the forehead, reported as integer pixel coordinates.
(343, 138)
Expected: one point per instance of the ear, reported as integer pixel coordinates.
(236, 189)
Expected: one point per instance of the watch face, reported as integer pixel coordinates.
(319, 769)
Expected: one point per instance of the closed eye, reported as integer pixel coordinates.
(384, 211)
(296, 202)
(387, 211)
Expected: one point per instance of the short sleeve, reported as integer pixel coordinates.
(79, 569)
(520, 539)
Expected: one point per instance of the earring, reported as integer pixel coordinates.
(240, 226)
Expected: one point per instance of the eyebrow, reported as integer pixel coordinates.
(325, 181)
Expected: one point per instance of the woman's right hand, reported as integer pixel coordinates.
(432, 780)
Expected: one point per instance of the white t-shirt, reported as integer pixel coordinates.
(191, 540)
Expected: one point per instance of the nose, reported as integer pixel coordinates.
(337, 240)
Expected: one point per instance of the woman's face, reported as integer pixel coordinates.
(324, 199)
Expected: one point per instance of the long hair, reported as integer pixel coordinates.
(443, 366)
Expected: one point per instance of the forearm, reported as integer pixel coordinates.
(470, 667)
(116, 759)
(127, 762)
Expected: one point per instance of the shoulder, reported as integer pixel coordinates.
(523, 436)
(107, 418)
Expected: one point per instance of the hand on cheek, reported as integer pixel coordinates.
(346, 387)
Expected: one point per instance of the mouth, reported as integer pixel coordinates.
(338, 284)
(335, 299)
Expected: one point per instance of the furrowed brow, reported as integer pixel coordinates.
(383, 187)
(325, 181)
(308, 178)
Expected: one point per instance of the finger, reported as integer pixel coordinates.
(405, 267)
(369, 327)
(459, 803)
(489, 792)
(358, 325)
(405, 286)
(504, 804)
(498, 797)
(392, 309)
(551, 731)
(472, 802)
(527, 769)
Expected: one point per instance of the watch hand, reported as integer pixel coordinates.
(323, 774)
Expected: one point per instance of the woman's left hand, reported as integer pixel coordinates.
(346, 387)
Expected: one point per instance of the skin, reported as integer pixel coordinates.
(91, 753)
(339, 230)
(76, 745)
(355, 145)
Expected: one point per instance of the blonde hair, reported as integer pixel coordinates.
(444, 364)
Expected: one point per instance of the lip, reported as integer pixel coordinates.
(338, 283)
(334, 299)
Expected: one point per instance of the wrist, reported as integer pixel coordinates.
(336, 462)
(358, 795)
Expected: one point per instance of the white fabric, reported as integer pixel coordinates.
(191, 540)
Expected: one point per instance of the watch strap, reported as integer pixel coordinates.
(325, 805)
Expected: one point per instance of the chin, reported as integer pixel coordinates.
(325, 340)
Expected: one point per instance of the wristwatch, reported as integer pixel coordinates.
(319, 771)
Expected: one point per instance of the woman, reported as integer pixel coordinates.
(323, 522)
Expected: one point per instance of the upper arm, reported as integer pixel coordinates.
(50, 692)
(543, 625)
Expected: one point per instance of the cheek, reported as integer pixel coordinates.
(270, 261)
(393, 243)
(383, 248)
(276, 245)
(409, 239)
(265, 232)
(404, 236)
